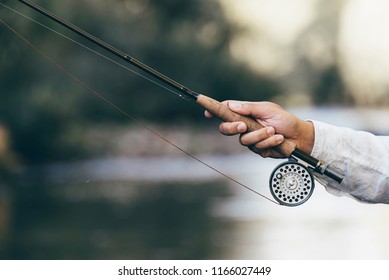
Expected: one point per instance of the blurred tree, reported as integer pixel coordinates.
(317, 69)
(330, 89)
(46, 112)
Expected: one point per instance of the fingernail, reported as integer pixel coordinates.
(279, 138)
(270, 130)
(242, 127)
(234, 105)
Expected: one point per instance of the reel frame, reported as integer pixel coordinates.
(291, 183)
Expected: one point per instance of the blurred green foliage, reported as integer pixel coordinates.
(47, 112)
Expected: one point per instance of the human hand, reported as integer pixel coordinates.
(278, 125)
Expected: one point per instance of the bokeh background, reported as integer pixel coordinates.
(78, 180)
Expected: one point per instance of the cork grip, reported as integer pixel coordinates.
(223, 112)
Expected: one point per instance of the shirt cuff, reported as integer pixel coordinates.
(328, 148)
(328, 142)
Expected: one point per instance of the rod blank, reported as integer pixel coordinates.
(287, 148)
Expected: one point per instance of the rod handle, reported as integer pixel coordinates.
(222, 111)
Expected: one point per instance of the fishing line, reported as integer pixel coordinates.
(95, 52)
(106, 100)
(291, 183)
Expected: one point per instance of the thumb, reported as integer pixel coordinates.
(257, 110)
(243, 108)
(236, 106)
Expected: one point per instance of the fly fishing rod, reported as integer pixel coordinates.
(291, 183)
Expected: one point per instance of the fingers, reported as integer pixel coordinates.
(229, 128)
(208, 114)
(232, 128)
(261, 139)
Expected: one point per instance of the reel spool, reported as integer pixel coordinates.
(291, 183)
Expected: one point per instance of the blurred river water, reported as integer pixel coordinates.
(172, 207)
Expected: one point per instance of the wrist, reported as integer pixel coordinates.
(307, 137)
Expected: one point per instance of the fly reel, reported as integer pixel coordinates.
(291, 183)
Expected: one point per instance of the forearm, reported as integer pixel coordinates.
(361, 156)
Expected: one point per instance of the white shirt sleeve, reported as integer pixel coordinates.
(361, 156)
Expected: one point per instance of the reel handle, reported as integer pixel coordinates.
(222, 111)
